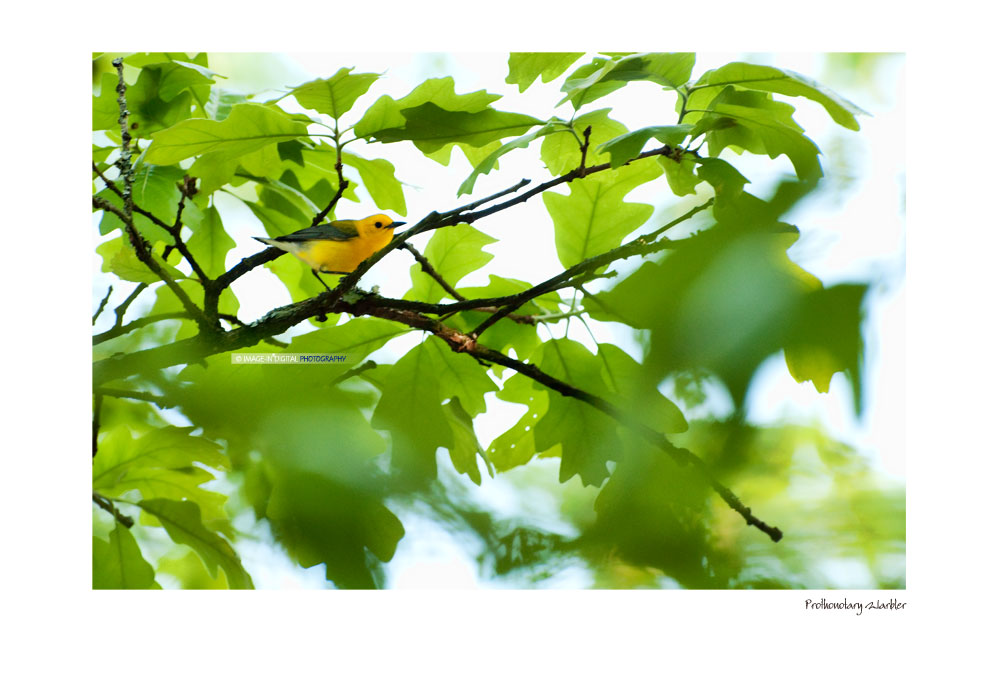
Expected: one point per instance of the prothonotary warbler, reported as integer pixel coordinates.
(338, 246)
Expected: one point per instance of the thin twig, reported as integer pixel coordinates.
(104, 302)
(342, 183)
(96, 424)
(425, 265)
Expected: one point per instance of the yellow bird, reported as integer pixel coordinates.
(338, 246)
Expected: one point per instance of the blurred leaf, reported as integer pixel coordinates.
(827, 338)
(723, 176)
(637, 392)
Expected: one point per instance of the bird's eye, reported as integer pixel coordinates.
(378, 224)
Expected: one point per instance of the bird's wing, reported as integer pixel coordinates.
(335, 230)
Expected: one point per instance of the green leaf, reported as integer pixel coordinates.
(161, 464)
(490, 161)
(118, 563)
(516, 446)
(587, 435)
(209, 243)
(154, 188)
(827, 338)
(356, 338)
(680, 174)
(213, 170)
(600, 77)
(454, 252)
(637, 391)
(379, 178)
(104, 105)
(466, 447)
(773, 80)
(386, 112)
(753, 121)
(120, 259)
(587, 83)
(459, 376)
(724, 302)
(336, 95)
(506, 334)
(561, 152)
(410, 408)
(264, 162)
(628, 146)
(247, 128)
(723, 176)
(525, 67)
(668, 69)
(594, 217)
(148, 111)
(182, 521)
(429, 127)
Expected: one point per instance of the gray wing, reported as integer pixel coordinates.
(338, 230)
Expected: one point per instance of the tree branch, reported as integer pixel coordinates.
(466, 344)
(100, 307)
(144, 254)
(110, 508)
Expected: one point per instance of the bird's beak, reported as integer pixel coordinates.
(396, 224)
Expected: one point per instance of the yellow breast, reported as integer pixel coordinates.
(336, 256)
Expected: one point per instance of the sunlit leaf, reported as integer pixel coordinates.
(334, 96)
(525, 67)
(182, 521)
(594, 217)
(247, 128)
(118, 563)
